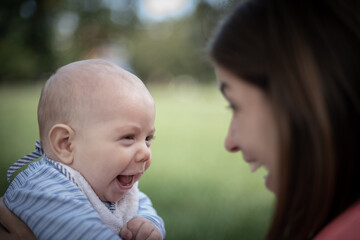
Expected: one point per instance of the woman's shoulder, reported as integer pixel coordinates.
(345, 227)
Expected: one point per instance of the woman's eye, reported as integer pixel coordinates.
(231, 106)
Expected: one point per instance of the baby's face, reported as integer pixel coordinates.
(112, 147)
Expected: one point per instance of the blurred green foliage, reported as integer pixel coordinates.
(38, 36)
(201, 191)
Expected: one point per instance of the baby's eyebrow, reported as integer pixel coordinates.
(127, 128)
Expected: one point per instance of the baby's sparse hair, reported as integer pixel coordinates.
(73, 89)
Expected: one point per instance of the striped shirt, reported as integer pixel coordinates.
(55, 208)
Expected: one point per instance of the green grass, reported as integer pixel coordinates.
(200, 190)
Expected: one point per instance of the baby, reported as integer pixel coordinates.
(96, 124)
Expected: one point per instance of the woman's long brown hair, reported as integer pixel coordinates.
(305, 56)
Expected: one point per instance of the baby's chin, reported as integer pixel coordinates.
(119, 187)
(112, 197)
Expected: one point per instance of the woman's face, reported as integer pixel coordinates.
(252, 129)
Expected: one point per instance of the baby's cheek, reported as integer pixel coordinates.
(147, 164)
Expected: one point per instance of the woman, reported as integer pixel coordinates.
(289, 70)
(11, 227)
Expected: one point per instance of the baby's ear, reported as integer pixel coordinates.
(61, 137)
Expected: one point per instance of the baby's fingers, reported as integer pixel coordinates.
(143, 229)
(155, 235)
(126, 234)
(148, 231)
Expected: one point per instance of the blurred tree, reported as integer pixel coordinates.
(177, 47)
(37, 36)
(83, 27)
(25, 47)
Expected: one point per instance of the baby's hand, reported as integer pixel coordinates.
(139, 228)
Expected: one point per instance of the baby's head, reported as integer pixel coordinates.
(98, 119)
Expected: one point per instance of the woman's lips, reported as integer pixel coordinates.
(254, 166)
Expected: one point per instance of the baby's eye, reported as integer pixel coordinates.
(129, 137)
(149, 138)
(127, 140)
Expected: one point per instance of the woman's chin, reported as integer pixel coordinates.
(269, 183)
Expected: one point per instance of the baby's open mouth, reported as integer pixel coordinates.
(125, 180)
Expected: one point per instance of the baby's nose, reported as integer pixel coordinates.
(143, 154)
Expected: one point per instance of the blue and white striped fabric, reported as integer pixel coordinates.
(25, 160)
(55, 208)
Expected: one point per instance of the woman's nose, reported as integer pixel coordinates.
(230, 143)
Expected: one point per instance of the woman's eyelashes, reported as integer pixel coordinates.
(232, 107)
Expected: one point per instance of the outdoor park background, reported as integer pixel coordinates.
(200, 190)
